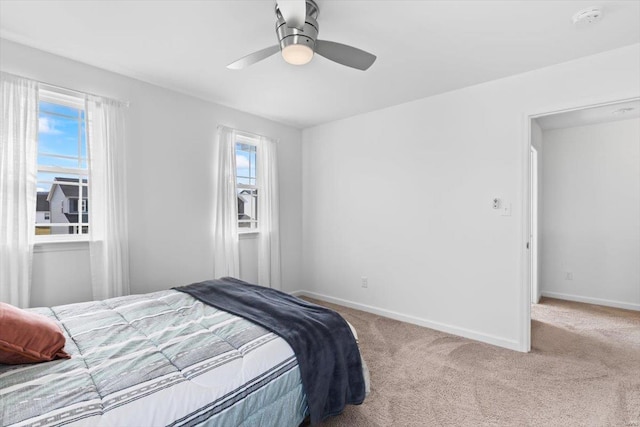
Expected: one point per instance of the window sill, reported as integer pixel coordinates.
(65, 243)
(253, 234)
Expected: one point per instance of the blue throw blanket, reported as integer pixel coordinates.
(327, 353)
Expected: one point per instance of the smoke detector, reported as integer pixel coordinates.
(587, 16)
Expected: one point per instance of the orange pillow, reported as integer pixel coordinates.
(27, 337)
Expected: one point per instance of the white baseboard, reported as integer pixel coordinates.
(442, 327)
(589, 300)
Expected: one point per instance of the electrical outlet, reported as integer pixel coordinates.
(568, 275)
(365, 282)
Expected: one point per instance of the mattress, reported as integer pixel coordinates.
(156, 359)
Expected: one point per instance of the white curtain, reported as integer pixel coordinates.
(225, 210)
(18, 170)
(108, 233)
(268, 223)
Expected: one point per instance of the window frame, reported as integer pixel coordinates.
(74, 100)
(255, 142)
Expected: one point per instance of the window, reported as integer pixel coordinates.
(62, 165)
(73, 205)
(246, 184)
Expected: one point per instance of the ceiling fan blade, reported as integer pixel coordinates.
(294, 12)
(345, 55)
(254, 57)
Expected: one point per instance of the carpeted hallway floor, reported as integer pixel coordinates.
(584, 370)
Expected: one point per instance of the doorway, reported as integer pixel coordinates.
(539, 271)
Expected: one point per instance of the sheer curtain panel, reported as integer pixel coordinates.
(108, 233)
(268, 223)
(18, 151)
(225, 210)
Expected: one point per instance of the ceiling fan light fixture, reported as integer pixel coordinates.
(298, 40)
(297, 54)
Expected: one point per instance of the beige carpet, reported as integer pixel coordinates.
(584, 370)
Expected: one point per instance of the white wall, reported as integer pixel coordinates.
(450, 261)
(170, 147)
(591, 227)
(61, 274)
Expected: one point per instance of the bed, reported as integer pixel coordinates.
(163, 358)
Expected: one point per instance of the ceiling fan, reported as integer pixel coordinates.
(297, 31)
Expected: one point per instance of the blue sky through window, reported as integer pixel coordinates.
(246, 163)
(61, 132)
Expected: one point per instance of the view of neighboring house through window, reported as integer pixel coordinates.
(246, 183)
(63, 198)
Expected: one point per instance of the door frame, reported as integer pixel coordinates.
(525, 256)
(534, 249)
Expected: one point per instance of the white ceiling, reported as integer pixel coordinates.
(423, 47)
(590, 116)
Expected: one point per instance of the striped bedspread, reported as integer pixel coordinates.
(156, 359)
